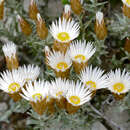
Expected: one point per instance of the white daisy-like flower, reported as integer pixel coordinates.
(9, 49)
(11, 81)
(67, 8)
(126, 2)
(59, 88)
(64, 30)
(119, 82)
(94, 78)
(29, 72)
(79, 51)
(99, 17)
(36, 91)
(58, 61)
(78, 94)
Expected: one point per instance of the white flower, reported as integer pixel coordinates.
(78, 94)
(119, 82)
(9, 50)
(93, 78)
(59, 88)
(64, 31)
(36, 91)
(79, 51)
(11, 81)
(126, 2)
(99, 17)
(58, 61)
(30, 72)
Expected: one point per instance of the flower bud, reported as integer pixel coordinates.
(126, 8)
(42, 30)
(1, 9)
(47, 52)
(127, 45)
(76, 6)
(33, 10)
(67, 12)
(100, 27)
(25, 26)
(10, 50)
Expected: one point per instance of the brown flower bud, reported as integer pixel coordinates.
(126, 10)
(9, 50)
(47, 52)
(1, 9)
(42, 30)
(76, 6)
(25, 26)
(33, 10)
(100, 27)
(67, 12)
(127, 45)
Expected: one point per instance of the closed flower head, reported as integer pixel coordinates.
(42, 31)
(126, 8)
(76, 6)
(1, 9)
(99, 17)
(25, 26)
(9, 50)
(33, 10)
(100, 27)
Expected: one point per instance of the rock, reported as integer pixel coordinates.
(119, 117)
(27, 2)
(26, 5)
(54, 8)
(98, 126)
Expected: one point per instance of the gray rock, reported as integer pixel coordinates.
(26, 5)
(114, 114)
(98, 126)
(54, 8)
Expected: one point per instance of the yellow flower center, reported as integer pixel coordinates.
(59, 93)
(80, 57)
(91, 84)
(62, 65)
(118, 87)
(63, 36)
(128, 2)
(37, 96)
(75, 99)
(13, 87)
